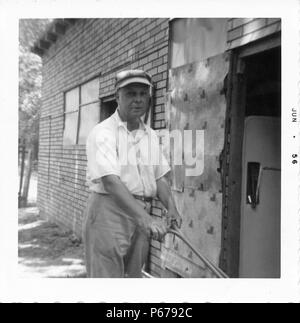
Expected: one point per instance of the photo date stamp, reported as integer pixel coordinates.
(294, 119)
(294, 115)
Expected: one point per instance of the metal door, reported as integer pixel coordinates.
(260, 207)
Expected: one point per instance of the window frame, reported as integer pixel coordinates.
(79, 110)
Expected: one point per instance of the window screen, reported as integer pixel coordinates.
(82, 112)
(90, 92)
(71, 116)
(71, 124)
(195, 39)
(89, 118)
(72, 100)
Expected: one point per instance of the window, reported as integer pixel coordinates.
(108, 107)
(82, 112)
(71, 116)
(195, 39)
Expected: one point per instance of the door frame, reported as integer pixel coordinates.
(232, 155)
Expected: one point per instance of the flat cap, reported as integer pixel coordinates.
(132, 76)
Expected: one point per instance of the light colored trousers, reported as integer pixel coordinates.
(115, 247)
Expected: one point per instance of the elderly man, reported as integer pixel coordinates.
(126, 169)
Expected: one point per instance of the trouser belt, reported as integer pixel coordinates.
(143, 198)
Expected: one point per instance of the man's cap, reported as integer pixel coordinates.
(132, 76)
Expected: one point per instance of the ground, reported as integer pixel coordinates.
(45, 249)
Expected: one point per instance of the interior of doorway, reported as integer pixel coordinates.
(260, 218)
(254, 89)
(263, 84)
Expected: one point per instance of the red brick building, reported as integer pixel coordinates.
(241, 58)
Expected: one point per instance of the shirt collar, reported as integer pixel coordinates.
(120, 123)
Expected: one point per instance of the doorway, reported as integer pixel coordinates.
(261, 165)
(251, 162)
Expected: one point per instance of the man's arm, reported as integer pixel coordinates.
(127, 202)
(165, 195)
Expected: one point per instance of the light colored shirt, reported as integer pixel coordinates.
(135, 157)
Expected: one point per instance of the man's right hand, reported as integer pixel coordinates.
(158, 229)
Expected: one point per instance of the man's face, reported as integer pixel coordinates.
(133, 100)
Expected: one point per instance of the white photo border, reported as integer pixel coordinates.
(13, 289)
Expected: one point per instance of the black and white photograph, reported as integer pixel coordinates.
(155, 148)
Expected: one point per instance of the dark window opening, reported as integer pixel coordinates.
(264, 84)
(108, 107)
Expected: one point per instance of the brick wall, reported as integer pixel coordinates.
(242, 31)
(90, 48)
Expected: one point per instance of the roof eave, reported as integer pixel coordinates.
(57, 28)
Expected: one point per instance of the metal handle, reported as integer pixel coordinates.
(254, 173)
(216, 270)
